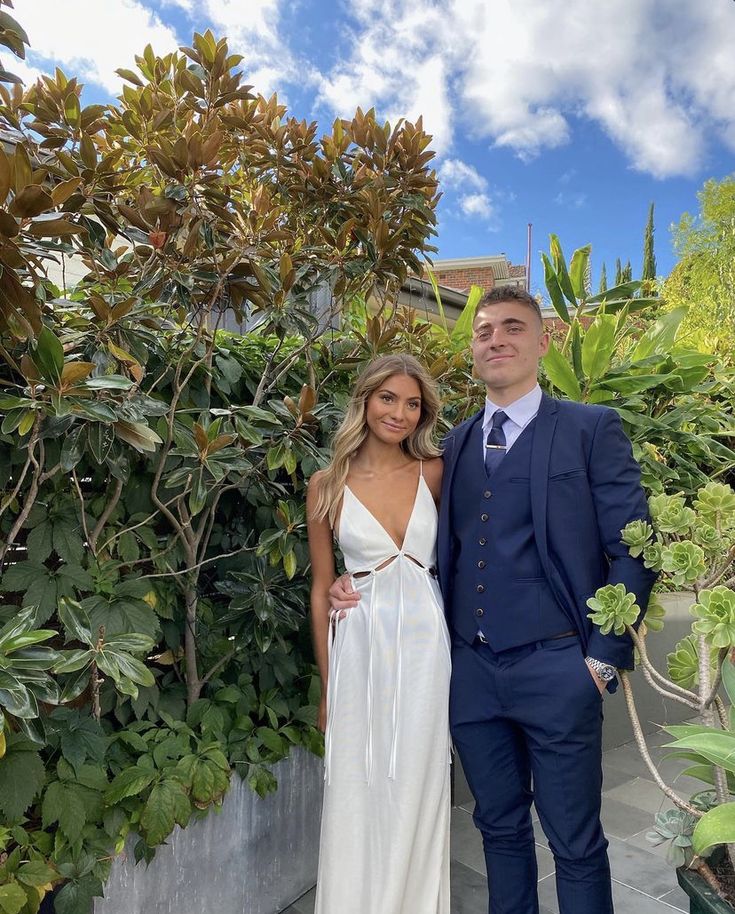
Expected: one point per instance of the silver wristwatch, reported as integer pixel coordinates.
(605, 671)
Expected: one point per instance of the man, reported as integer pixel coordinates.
(535, 494)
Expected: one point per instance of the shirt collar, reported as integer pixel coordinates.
(520, 412)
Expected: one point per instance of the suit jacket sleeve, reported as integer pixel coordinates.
(615, 480)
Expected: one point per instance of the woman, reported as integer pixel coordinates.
(385, 664)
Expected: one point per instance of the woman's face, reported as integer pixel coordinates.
(394, 409)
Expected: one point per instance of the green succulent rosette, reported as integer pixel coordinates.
(655, 614)
(715, 503)
(613, 608)
(707, 536)
(636, 536)
(683, 562)
(683, 662)
(715, 612)
(670, 514)
(652, 556)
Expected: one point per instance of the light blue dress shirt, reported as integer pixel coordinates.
(519, 415)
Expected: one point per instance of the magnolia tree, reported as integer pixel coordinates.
(692, 545)
(152, 548)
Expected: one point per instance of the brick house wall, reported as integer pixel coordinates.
(463, 278)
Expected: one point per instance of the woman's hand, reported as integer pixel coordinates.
(321, 720)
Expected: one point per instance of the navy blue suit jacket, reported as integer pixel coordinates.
(585, 487)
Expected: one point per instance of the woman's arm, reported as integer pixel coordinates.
(322, 575)
(433, 470)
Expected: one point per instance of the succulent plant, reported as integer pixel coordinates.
(715, 611)
(655, 614)
(675, 826)
(683, 662)
(715, 503)
(636, 536)
(670, 514)
(684, 562)
(613, 608)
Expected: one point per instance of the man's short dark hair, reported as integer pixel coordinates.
(509, 294)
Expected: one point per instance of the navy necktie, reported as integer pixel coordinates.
(495, 444)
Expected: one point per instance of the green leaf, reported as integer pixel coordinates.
(84, 740)
(598, 346)
(554, 289)
(12, 898)
(36, 872)
(67, 541)
(22, 776)
(76, 897)
(20, 624)
(717, 826)
(129, 783)
(728, 679)
(40, 542)
(621, 293)
(633, 384)
(166, 805)
(560, 373)
(661, 336)
(560, 268)
(48, 355)
(462, 330)
(578, 270)
(717, 746)
(63, 803)
(131, 668)
(75, 621)
(437, 296)
(271, 739)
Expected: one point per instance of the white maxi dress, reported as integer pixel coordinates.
(385, 821)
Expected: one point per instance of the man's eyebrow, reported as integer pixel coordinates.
(508, 321)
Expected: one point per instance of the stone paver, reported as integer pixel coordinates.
(643, 883)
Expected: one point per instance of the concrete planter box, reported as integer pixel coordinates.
(254, 857)
(702, 900)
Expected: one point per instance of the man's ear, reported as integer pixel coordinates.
(544, 341)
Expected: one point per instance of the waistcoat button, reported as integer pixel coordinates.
(487, 494)
(482, 541)
(480, 588)
(481, 564)
(479, 612)
(484, 517)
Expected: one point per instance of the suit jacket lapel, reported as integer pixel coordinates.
(539, 484)
(452, 449)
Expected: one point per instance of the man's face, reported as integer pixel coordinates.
(507, 343)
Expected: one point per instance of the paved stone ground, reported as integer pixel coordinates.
(643, 883)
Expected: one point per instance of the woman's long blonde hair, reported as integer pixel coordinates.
(353, 431)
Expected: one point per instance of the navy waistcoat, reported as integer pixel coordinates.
(498, 584)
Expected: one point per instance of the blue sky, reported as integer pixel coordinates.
(572, 115)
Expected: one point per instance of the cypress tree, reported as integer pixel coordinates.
(649, 257)
(603, 279)
(618, 272)
(627, 272)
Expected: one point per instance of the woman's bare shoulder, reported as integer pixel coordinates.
(433, 470)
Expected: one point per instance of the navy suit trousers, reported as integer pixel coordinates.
(527, 724)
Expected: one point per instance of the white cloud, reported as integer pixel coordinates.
(454, 173)
(257, 31)
(478, 205)
(655, 75)
(91, 39)
(571, 200)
